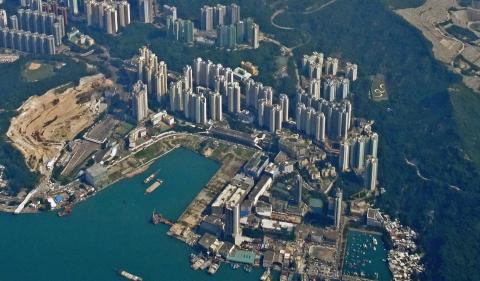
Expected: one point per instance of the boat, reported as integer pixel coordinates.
(265, 275)
(197, 264)
(206, 264)
(213, 268)
(65, 212)
(129, 276)
(193, 257)
(150, 178)
(235, 265)
(154, 186)
(375, 242)
(247, 268)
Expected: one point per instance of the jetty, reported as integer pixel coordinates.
(158, 218)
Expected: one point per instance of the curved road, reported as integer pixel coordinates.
(288, 50)
(274, 15)
(410, 163)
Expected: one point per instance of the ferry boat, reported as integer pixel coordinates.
(129, 276)
(150, 178)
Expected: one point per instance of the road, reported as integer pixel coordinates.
(410, 163)
(289, 50)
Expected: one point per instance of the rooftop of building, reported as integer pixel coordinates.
(242, 256)
(96, 170)
(207, 240)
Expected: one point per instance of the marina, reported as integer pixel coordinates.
(365, 256)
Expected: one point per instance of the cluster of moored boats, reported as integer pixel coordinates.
(403, 259)
(202, 263)
(358, 256)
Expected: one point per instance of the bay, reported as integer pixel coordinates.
(112, 230)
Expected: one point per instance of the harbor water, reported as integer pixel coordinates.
(112, 230)
(366, 256)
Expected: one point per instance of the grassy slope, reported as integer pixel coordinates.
(467, 115)
(13, 91)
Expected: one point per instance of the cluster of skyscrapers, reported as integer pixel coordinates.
(32, 31)
(231, 29)
(260, 99)
(242, 32)
(28, 42)
(317, 66)
(146, 9)
(108, 15)
(322, 119)
(40, 22)
(151, 81)
(51, 6)
(34, 4)
(211, 17)
(153, 73)
(198, 106)
(215, 88)
(359, 153)
(180, 30)
(325, 113)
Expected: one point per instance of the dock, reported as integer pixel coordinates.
(154, 186)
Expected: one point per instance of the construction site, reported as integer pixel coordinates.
(46, 123)
(453, 31)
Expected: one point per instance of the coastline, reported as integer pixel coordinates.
(134, 164)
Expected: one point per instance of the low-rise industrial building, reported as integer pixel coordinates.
(96, 175)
